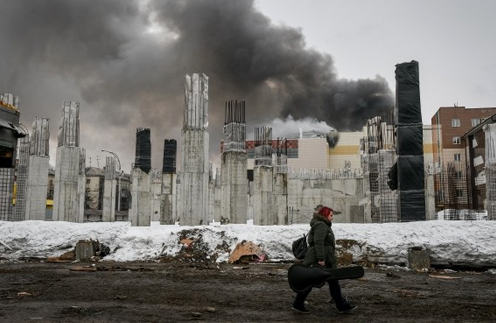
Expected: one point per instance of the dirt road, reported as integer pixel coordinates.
(178, 292)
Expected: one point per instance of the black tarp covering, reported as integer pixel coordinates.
(143, 150)
(410, 102)
(410, 140)
(409, 176)
(412, 207)
(409, 132)
(169, 163)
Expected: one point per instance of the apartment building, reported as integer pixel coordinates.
(450, 124)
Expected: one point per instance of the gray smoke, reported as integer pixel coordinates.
(125, 61)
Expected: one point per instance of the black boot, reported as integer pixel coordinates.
(342, 303)
(299, 303)
(347, 307)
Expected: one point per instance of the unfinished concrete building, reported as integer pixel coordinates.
(37, 182)
(194, 199)
(141, 178)
(10, 131)
(276, 194)
(69, 186)
(234, 185)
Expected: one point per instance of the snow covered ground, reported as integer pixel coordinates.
(457, 242)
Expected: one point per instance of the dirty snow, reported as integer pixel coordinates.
(469, 242)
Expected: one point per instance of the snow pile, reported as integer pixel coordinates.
(456, 242)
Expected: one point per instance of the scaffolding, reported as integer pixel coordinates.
(19, 213)
(6, 193)
(378, 156)
(451, 196)
(388, 199)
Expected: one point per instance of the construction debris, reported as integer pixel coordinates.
(247, 251)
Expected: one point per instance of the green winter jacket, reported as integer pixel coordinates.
(322, 243)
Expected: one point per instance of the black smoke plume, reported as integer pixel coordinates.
(125, 62)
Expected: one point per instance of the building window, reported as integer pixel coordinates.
(456, 140)
(458, 175)
(475, 122)
(459, 193)
(458, 157)
(455, 123)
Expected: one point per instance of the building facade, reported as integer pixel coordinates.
(449, 125)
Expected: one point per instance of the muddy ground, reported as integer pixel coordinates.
(174, 291)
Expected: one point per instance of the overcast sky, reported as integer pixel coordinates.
(314, 60)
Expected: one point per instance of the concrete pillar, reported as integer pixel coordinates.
(66, 193)
(293, 190)
(430, 198)
(194, 203)
(157, 198)
(218, 196)
(141, 202)
(37, 187)
(109, 191)
(234, 186)
(211, 196)
(281, 198)
(169, 203)
(234, 165)
(263, 204)
(70, 182)
(39, 158)
(81, 193)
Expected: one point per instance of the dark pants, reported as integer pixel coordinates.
(334, 289)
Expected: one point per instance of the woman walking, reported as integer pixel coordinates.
(322, 252)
